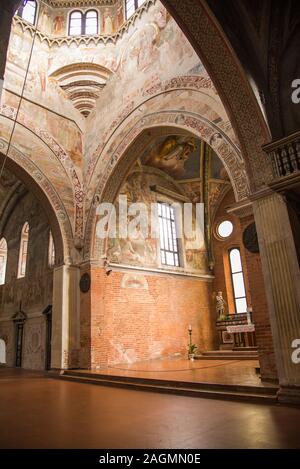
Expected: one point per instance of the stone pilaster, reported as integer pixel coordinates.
(282, 281)
(65, 318)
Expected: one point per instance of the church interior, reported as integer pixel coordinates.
(164, 104)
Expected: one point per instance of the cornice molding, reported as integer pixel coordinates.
(86, 40)
(78, 3)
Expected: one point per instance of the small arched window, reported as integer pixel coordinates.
(132, 6)
(23, 251)
(28, 11)
(91, 22)
(51, 251)
(238, 283)
(83, 23)
(75, 23)
(3, 260)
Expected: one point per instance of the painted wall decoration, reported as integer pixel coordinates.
(146, 252)
(178, 156)
(148, 57)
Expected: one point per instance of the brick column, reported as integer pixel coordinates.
(282, 281)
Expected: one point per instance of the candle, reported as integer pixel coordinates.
(190, 327)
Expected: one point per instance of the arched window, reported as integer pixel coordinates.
(28, 11)
(91, 22)
(132, 6)
(23, 251)
(83, 23)
(238, 284)
(75, 23)
(2, 351)
(3, 260)
(51, 251)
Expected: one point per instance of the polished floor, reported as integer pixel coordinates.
(37, 411)
(236, 372)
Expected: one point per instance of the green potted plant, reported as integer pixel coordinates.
(192, 348)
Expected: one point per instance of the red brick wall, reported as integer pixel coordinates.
(133, 324)
(254, 283)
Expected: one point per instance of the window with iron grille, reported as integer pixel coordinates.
(169, 250)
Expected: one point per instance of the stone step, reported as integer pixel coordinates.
(226, 354)
(205, 390)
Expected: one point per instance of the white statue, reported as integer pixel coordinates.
(220, 304)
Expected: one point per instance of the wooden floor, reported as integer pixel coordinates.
(37, 411)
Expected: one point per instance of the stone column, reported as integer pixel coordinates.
(65, 318)
(282, 281)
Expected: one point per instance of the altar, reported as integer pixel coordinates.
(236, 331)
(243, 335)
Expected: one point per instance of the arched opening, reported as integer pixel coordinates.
(60, 231)
(168, 281)
(23, 250)
(3, 260)
(83, 23)
(2, 352)
(30, 266)
(51, 251)
(28, 11)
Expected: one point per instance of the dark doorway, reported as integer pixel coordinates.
(48, 315)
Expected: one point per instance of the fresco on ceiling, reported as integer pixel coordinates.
(177, 155)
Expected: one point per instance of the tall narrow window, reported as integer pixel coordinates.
(23, 251)
(83, 23)
(75, 23)
(51, 251)
(131, 6)
(28, 11)
(3, 260)
(91, 22)
(168, 238)
(238, 283)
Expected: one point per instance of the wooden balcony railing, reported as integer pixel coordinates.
(285, 155)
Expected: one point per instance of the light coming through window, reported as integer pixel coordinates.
(167, 232)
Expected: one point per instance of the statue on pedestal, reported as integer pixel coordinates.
(220, 306)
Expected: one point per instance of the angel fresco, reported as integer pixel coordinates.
(172, 155)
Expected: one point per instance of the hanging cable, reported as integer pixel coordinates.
(22, 91)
